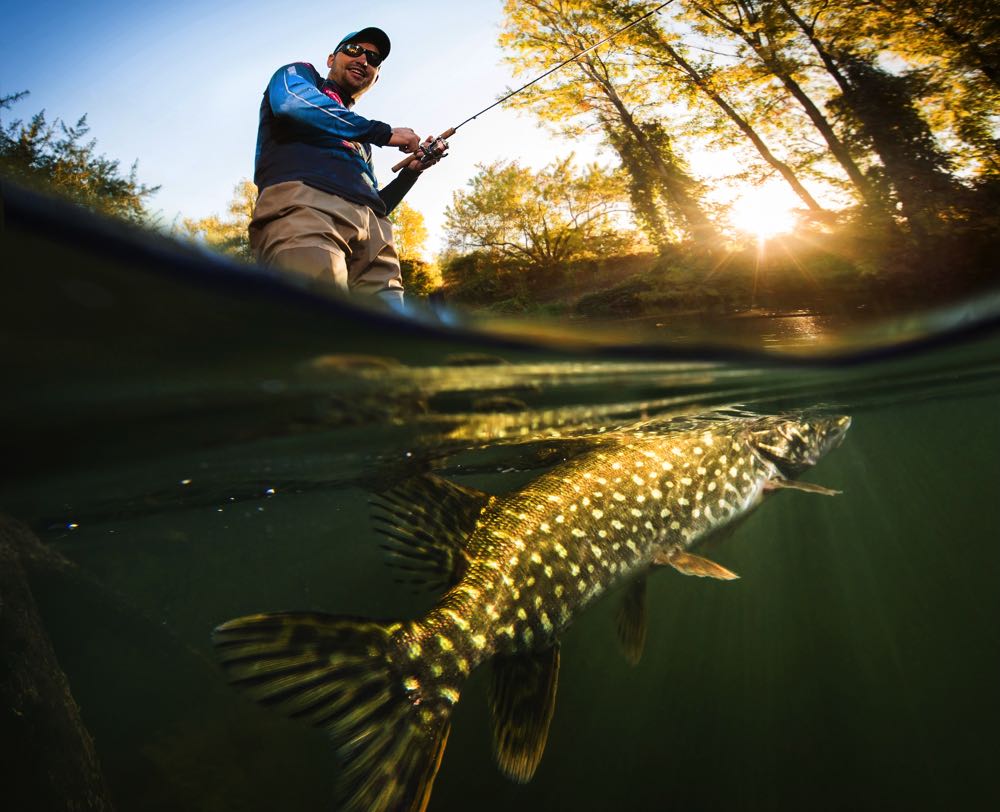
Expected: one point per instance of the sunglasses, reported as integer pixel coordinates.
(353, 50)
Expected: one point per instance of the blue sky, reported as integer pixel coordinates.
(177, 85)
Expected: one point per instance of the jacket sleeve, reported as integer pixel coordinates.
(393, 193)
(292, 94)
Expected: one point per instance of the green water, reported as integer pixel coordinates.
(177, 445)
(855, 661)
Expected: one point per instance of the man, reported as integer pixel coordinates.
(320, 212)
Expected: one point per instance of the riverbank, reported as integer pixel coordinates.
(852, 274)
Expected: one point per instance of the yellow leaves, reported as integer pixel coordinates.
(409, 231)
(537, 220)
(244, 199)
(228, 236)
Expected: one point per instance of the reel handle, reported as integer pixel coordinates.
(444, 136)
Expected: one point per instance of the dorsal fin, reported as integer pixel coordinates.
(631, 621)
(426, 521)
(522, 701)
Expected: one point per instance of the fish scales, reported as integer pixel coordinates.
(540, 555)
(526, 564)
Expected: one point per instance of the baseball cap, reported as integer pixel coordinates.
(376, 36)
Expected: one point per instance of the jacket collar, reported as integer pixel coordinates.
(343, 95)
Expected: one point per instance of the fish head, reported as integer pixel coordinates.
(795, 442)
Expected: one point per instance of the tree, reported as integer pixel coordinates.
(881, 113)
(767, 35)
(970, 29)
(408, 231)
(420, 278)
(665, 51)
(647, 201)
(229, 236)
(54, 157)
(951, 50)
(543, 33)
(537, 222)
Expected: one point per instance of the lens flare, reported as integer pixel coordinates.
(764, 212)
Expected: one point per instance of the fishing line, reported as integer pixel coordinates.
(437, 147)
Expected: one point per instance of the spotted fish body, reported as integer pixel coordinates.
(540, 555)
(521, 567)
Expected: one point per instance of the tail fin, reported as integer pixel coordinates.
(345, 675)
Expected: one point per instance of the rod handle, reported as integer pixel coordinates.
(445, 135)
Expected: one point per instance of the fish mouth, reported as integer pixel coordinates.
(791, 451)
(835, 434)
(841, 425)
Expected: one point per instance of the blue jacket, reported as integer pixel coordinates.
(308, 133)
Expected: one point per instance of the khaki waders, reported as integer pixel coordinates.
(325, 237)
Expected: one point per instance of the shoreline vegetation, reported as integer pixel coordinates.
(846, 272)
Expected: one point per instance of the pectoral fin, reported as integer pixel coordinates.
(522, 701)
(690, 564)
(632, 621)
(426, 522)
(791, 484)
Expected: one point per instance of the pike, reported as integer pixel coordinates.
(435, 148)
(519, 568)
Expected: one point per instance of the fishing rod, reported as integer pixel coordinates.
(436, 148)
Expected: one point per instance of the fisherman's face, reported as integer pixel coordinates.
(354, 74)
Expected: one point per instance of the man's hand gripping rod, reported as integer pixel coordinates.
(437, 147)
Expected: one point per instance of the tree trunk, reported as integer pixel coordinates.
(48, 757)
(837, 147)
(770, 59)
(971, 51)
(745, 127)
(642, 190)
(824, 54)
(674, 181)
(884, 109)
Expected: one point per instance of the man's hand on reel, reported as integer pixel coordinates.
(431, 151)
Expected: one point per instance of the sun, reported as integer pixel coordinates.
(765, 211)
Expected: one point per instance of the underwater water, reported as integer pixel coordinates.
(198, 452)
